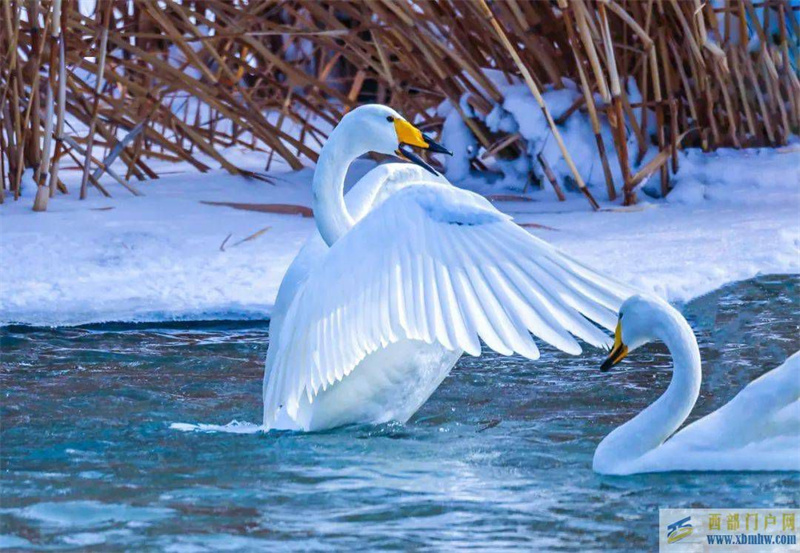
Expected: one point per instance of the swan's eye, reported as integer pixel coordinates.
(390, 119)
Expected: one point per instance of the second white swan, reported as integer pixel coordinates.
(758, 430)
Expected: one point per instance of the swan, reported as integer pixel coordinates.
(404, 274)
(758, 430)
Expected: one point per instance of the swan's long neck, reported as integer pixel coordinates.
(650, 428)
(330, 212)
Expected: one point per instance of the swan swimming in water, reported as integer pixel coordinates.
(758, 430)
(404, 274)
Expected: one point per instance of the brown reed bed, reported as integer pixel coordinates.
(181, 80)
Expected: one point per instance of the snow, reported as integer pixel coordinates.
(519, 113)
(732, 215)
(459, 140)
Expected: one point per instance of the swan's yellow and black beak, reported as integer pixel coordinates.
(618, 352)
(409, 136)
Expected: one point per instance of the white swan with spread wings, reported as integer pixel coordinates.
(405, 274)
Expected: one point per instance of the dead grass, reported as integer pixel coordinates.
(170, 80)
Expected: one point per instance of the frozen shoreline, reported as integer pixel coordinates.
(732, 216)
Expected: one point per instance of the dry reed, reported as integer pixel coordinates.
(169, 80)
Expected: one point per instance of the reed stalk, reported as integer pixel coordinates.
(185, 80)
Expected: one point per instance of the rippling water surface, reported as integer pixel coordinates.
(499, 458)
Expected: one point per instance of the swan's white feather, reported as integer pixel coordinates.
(430, 262)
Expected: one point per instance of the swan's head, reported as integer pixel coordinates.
(638, 324)
(381, 129)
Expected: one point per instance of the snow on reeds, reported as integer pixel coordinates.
(182, 80)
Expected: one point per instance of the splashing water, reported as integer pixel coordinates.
(233, 427)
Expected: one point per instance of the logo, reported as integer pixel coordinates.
(679, 530)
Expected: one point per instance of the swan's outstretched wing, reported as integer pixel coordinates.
(434, 263)
(759, 429)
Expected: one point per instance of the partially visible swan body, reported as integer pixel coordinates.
(405, 273)
(758, 430)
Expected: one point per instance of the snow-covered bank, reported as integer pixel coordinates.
(733, 215)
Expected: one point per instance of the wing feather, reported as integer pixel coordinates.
(562, 309)
(499, 319)
(464, 337)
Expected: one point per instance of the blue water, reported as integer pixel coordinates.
(498, 459)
